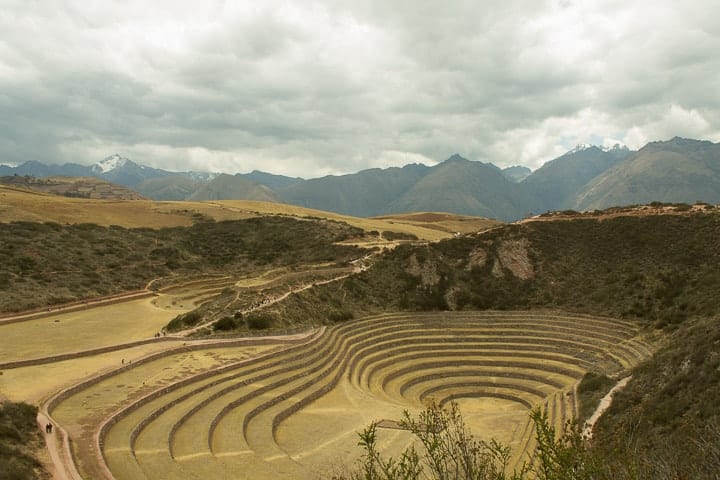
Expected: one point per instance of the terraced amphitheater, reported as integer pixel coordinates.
(293, 411)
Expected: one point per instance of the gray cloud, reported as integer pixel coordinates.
(317, 87)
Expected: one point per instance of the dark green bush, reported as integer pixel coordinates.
(388, 235)
(259, 321)
(224, 324)
(184, 320)
(338, 316)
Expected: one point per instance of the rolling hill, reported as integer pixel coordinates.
(77, 187)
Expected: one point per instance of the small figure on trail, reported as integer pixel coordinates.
(48, 428)
(123, 361)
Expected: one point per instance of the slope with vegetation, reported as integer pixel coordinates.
(655, 267)
(660, 269)
(19, 441)
(47, 263)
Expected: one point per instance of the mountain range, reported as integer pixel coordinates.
(585, 178)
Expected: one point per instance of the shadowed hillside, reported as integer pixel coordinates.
(362, 194)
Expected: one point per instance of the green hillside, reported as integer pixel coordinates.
(662, 271)
(667, 420)
(659, 269)
(47, 263)
(19, 442)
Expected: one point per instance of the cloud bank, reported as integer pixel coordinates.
(325, 87)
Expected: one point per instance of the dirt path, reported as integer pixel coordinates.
(59, 466)
(604, 405)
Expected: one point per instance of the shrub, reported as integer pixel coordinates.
(449, 451)
(259, 321)
(224, 324)
(184, 320)
(338, 316)
(388, 235)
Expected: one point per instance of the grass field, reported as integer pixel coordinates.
(36, 383)
(294, 413)
(83, 330)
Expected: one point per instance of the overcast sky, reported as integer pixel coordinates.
(308, 88)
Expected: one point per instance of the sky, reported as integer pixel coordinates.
(316, 87)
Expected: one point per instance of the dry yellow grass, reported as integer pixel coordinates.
(444, 222)
(367, 224)
(83, 330)
(105, 396)
(19, 204)
(36, 383)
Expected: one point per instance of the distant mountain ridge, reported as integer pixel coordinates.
(557, 183)
(678, 170)
(585, 178)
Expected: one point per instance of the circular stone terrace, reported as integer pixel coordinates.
(293, 412)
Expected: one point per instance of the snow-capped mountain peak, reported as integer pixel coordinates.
(580, 147)
(615, 147)
(586, 146)
(202, 176)
(109, 164)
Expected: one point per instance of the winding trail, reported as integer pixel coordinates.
(605, 403)
(60, 466)
(359, 266)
